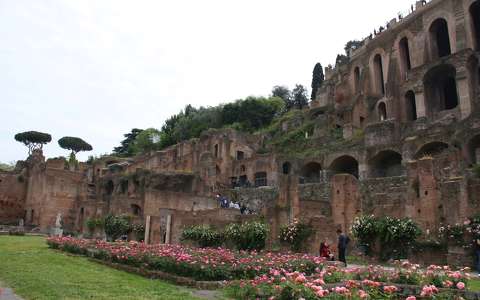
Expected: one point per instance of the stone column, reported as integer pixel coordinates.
(463, 94)
(168, 229)
(147, 230)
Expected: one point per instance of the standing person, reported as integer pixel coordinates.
(342, 246)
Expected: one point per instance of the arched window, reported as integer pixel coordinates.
(405, 55)
(311, 172)
(382, 111)
(441, 88)
(431, 149)
(378, 70)
(475, 15)
(136, 210)
(286, 168)
(356, 80)
(386, 164)
(345, 165)
(411, 106)
(440, 38)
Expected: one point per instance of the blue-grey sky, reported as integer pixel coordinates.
(97, 68)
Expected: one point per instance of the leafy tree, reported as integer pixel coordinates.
(341, 60)
(7, 167)
(317, 79)
(34, 140)
(284, 93)
(353, 45)
(299, 96)
(145, 141)
(116, 226)
(125, 148)
(75, 145)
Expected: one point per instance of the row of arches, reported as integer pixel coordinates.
(439, 42)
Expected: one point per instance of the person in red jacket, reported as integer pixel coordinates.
(325, 251)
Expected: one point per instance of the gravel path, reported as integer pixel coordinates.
(8, 294)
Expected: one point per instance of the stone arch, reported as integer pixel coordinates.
(311, 172)
(386, 163)
(382, 111)
(405, 57)
(345, 164)
(378, 74)
(356, 80)
(439, 37)
(136, 210)
(431, 149)
(474, 11)
(410, 106)
(440, 87)
(286, 168)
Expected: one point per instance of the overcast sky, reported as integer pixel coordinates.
(98, 68)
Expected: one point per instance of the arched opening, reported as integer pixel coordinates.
(81, 219)
(109, 187)
(356, 80)
(136, 210)
(260, 179)
(378, 70)
(405, 55)
(286, 168)
(411, 106)
(311, 173)
(240, 155)
(382, 111)
(216, 151)
(440, 38)
(345, 165)
(475, 16)
(431, 149)
(474, 150)
(441, 88)
(124, 186)
(386, 164)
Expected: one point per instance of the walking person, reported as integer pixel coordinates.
(342, 246)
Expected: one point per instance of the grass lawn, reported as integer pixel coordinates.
(36, 272)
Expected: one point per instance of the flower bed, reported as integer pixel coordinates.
(200, 264)
(263, 275)
(406, 281)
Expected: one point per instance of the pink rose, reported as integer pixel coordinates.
(460, 285)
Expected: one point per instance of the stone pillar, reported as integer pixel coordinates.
(168, 230)
(420, 103)
(147, 230)
(463, 94)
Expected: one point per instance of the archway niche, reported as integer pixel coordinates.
(378, 73)
(136, 210)
(411, 106)
(356, 80)
(109, 187)
(431, 149)
(475, 16)
(474, 150)
(440, 38)
(405, 55)
(286, 168)
(382, 111)
(386, 164)
(345, 165)
(441, 88)
(311, 172)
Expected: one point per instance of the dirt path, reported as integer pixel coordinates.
(7, 293)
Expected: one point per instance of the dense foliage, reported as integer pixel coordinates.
(93, 224)
(296, 235)
(247, 236)
(126, 148)
(203, 235)
(6, 167)
(116, 226)
(74, 144)
(396, 236)
(33, 139)
(317, 79)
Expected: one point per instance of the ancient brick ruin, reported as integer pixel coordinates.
(406, 105)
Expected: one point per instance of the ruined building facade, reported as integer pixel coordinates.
(407, 107)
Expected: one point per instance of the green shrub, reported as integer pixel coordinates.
(247, 236)
(93, 223)
(139, 231)
(296, 235)
(116, 226)
(365, 229)
(203, 236)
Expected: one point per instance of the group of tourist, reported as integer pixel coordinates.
(224, 202)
